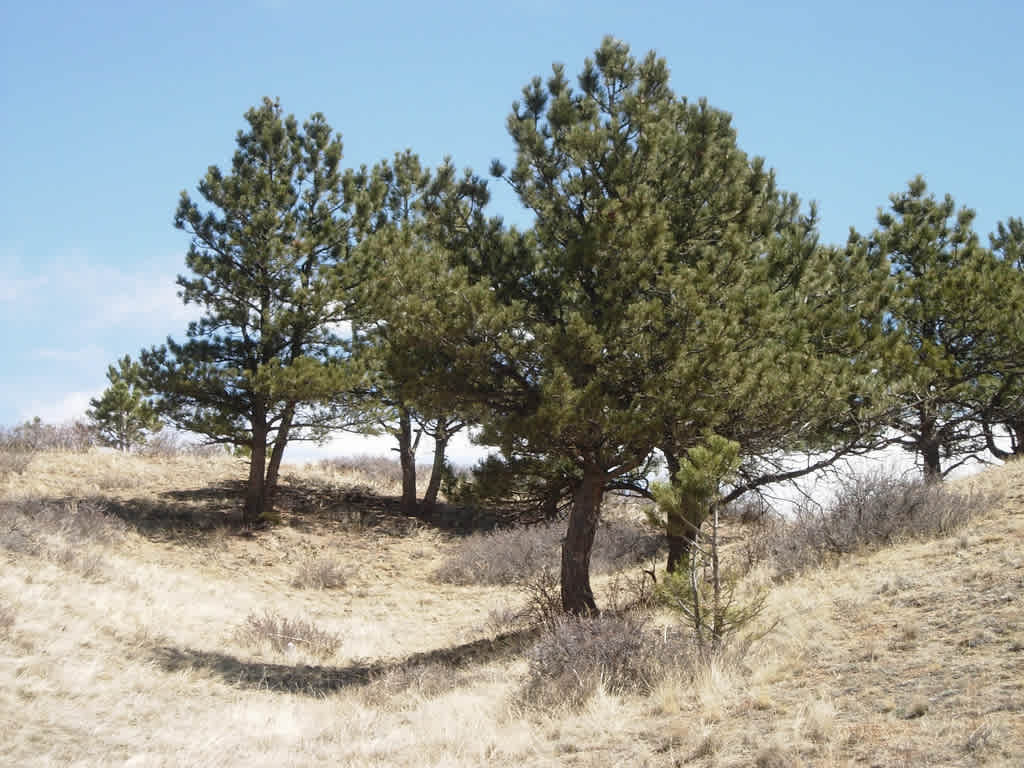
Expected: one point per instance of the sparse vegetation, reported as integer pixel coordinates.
(668, 307)
(403, 666)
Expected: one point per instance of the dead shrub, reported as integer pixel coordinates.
(501, 557)
(543, 593)
(16, 533)
(868, 511)
(578, 656)
(322, 573)
(283, 634)
(506, 556)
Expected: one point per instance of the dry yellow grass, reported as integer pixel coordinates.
(126, 651)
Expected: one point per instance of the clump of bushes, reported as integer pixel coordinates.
(282, 634)
(507, 556)
(577, 656)
(168, 444)
(34, 436)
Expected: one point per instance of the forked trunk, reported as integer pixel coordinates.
(436, 472)
(577, 596)
(276, 455)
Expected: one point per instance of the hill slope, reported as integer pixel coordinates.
(125, 598)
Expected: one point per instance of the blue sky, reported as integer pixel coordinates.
(110, 109)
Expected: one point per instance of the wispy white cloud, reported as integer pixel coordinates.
(77, 290)
(90, 353)
(70, 407)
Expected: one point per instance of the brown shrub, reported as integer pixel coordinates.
(508, 556)
(871, 510)
(577, 656)
(283, 634)
(323, 573)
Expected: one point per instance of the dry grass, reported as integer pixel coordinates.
(904, 656)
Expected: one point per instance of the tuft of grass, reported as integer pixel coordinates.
(321, 573)
(918, 707)
(14, 462)
(283, 634)
(820, 721)
(6, 618)
(774, 756)
(424, 681)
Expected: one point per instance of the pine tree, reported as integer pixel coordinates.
(1002, 392)
(410, 208)
(123, 417)
(667, 288)
(948, 293)
(271, 269)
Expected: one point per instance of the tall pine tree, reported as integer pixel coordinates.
(412, 208)
(667, 289)
(945, 308)
(1002, 391)
(271, 269)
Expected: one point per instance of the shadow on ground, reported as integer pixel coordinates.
(193, 515)
(318, 681)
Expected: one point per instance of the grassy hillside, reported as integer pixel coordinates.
(138, 627)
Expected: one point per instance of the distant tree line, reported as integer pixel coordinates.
(667, 296)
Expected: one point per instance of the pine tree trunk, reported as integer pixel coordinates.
(577, 596)
(407, 459)
(276, 455)
(257, 467)
(931, 449)
(437, 471)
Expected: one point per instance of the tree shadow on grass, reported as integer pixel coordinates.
(319, 681)
(194, 515)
